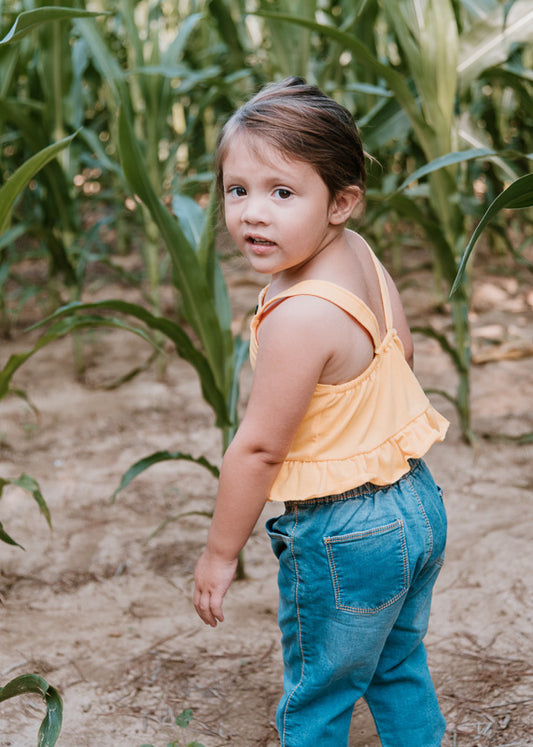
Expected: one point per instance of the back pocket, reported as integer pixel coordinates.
(369, 569)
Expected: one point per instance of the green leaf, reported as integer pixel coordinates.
(4, 536)
(104, 61)
(369, 88)
(184, 346)
(490, 41)
(56, 331)
(517, 196)
(32, 683)
(185, 717)
(22, 176)
(448, 160)
(177, 47)
(190, 216)
(291, 48)
(198, 301)
(220, 10)
(385, 122)
(31, 486)
(396, 82)
(162, 456)
(11, 235)
(29, 19)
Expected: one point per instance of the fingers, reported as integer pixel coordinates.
(212, 578)
(209, 607)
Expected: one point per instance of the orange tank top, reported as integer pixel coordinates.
(364, 430)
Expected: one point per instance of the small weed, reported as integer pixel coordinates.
(183, 720)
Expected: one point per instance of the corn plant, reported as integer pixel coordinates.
(38, 74)
(8, 195)
(31, 486)
(33, 683)
(38, 111)
(437, 55)
(517, 196)
(217, 357)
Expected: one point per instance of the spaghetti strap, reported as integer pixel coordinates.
(385, 296)
(337, 295)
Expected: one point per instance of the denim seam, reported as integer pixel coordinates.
(299, 629)
(424, 514)
(329, 541)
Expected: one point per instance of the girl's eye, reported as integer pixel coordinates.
(236, 191)
(282, 193)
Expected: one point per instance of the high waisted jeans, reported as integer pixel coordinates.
(356, 573)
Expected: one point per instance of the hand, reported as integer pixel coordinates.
(212, 578)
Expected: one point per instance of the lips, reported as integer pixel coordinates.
(258, 240)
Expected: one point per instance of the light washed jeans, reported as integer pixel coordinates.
(356, 574)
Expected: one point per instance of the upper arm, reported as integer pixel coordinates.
(399, 319)
(291, 356)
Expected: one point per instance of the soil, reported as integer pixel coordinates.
(101, 605)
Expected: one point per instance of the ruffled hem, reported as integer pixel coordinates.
(300, 480)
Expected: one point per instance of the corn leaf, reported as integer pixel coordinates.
(104, 61)
(241, 356)
(22, 176)
(427, 34)
(30, 19)
(396, 82)
(198, 301)
(518, 195)
(61, 328)
(386, 121)
(31, 486)
(4, 537)
(176, 48)
(162, 456)
(291, 47)
(191, 217)
(448, 160)
(229, 32)
(489, 41)
(474, 136)
(33, 683)
(184, 346)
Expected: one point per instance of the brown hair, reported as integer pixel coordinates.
(303, 123)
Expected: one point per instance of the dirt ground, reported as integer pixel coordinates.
(101, 606)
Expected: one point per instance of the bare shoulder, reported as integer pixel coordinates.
(300, 313)
(316, 335)
(299, 319)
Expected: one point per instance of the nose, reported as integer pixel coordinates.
(254, 210)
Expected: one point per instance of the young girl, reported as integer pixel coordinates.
(335, 429)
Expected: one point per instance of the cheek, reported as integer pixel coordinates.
(227, 213)
(231, 218)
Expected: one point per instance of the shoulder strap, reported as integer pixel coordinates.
(385, 296)
(337, 295)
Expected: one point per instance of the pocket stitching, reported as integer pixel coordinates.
(330, 541)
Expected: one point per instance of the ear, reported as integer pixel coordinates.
(343, 205)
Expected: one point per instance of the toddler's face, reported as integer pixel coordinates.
(277, 209)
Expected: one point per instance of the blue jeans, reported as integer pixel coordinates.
(356, 574)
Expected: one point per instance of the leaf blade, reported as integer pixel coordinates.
(161, 456)
(518, 195)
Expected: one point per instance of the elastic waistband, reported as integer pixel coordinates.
(357, 492)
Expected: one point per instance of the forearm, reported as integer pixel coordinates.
(245, 481)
